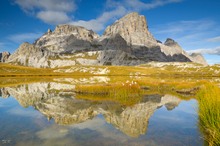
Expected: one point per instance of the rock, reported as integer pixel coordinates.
(158, 41)
(4, 56)
(49, 31)
(4, 93)
(170, 42)
(198, 58)
(66, 38)
(78, 31)
(29, 55)
(176, 48)
(191, 91)
(133, 28)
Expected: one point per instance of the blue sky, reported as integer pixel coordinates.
(194, 24)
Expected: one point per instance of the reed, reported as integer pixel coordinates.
(209, 113)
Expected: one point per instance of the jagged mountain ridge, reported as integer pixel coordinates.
(127, 42)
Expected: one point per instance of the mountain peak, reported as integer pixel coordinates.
(133, 28)
(173, 44)
(132, 16)
(198, 58)
(75, 30)
(67, 28)
(170, 42)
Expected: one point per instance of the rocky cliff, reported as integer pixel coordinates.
(126, 42)
(4, 56)
(133, 29)
(198, 58)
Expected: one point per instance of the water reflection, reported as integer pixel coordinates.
(63, 119)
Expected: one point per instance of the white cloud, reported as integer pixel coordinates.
(215, 39)
(52, 5)
(53, 17)
(211, 51)
(24, 113)
(213, 61)
(57, 11)
(138, 5)
(118, 9)
(99, 23)
(191, 34)
(24, 37)
(49, 11)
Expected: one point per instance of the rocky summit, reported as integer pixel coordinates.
(126, 42)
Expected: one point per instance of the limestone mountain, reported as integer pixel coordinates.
(134, 30)
(197, 57)
(126, 42)
(4, 56)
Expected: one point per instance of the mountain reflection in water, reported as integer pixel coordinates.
(57, 101)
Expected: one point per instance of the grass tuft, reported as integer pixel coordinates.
(209, 113)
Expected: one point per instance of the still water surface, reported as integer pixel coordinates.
(40, 114)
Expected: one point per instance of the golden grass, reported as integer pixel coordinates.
(15, 81)
(10, 70)
(209, 113)
(124, 93)
(144, 70)
(128, 92)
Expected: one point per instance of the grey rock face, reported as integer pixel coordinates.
(66, 38)
(4, 93)
(4, 56)
(29, 55)
(133, 28)
(126, 42)
(198, 58)
(174, 47)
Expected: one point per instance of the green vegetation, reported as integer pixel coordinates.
(209, 113)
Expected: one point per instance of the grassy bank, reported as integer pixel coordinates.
(128, 92)
(209, 113)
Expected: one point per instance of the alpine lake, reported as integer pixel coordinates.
(109, 111)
